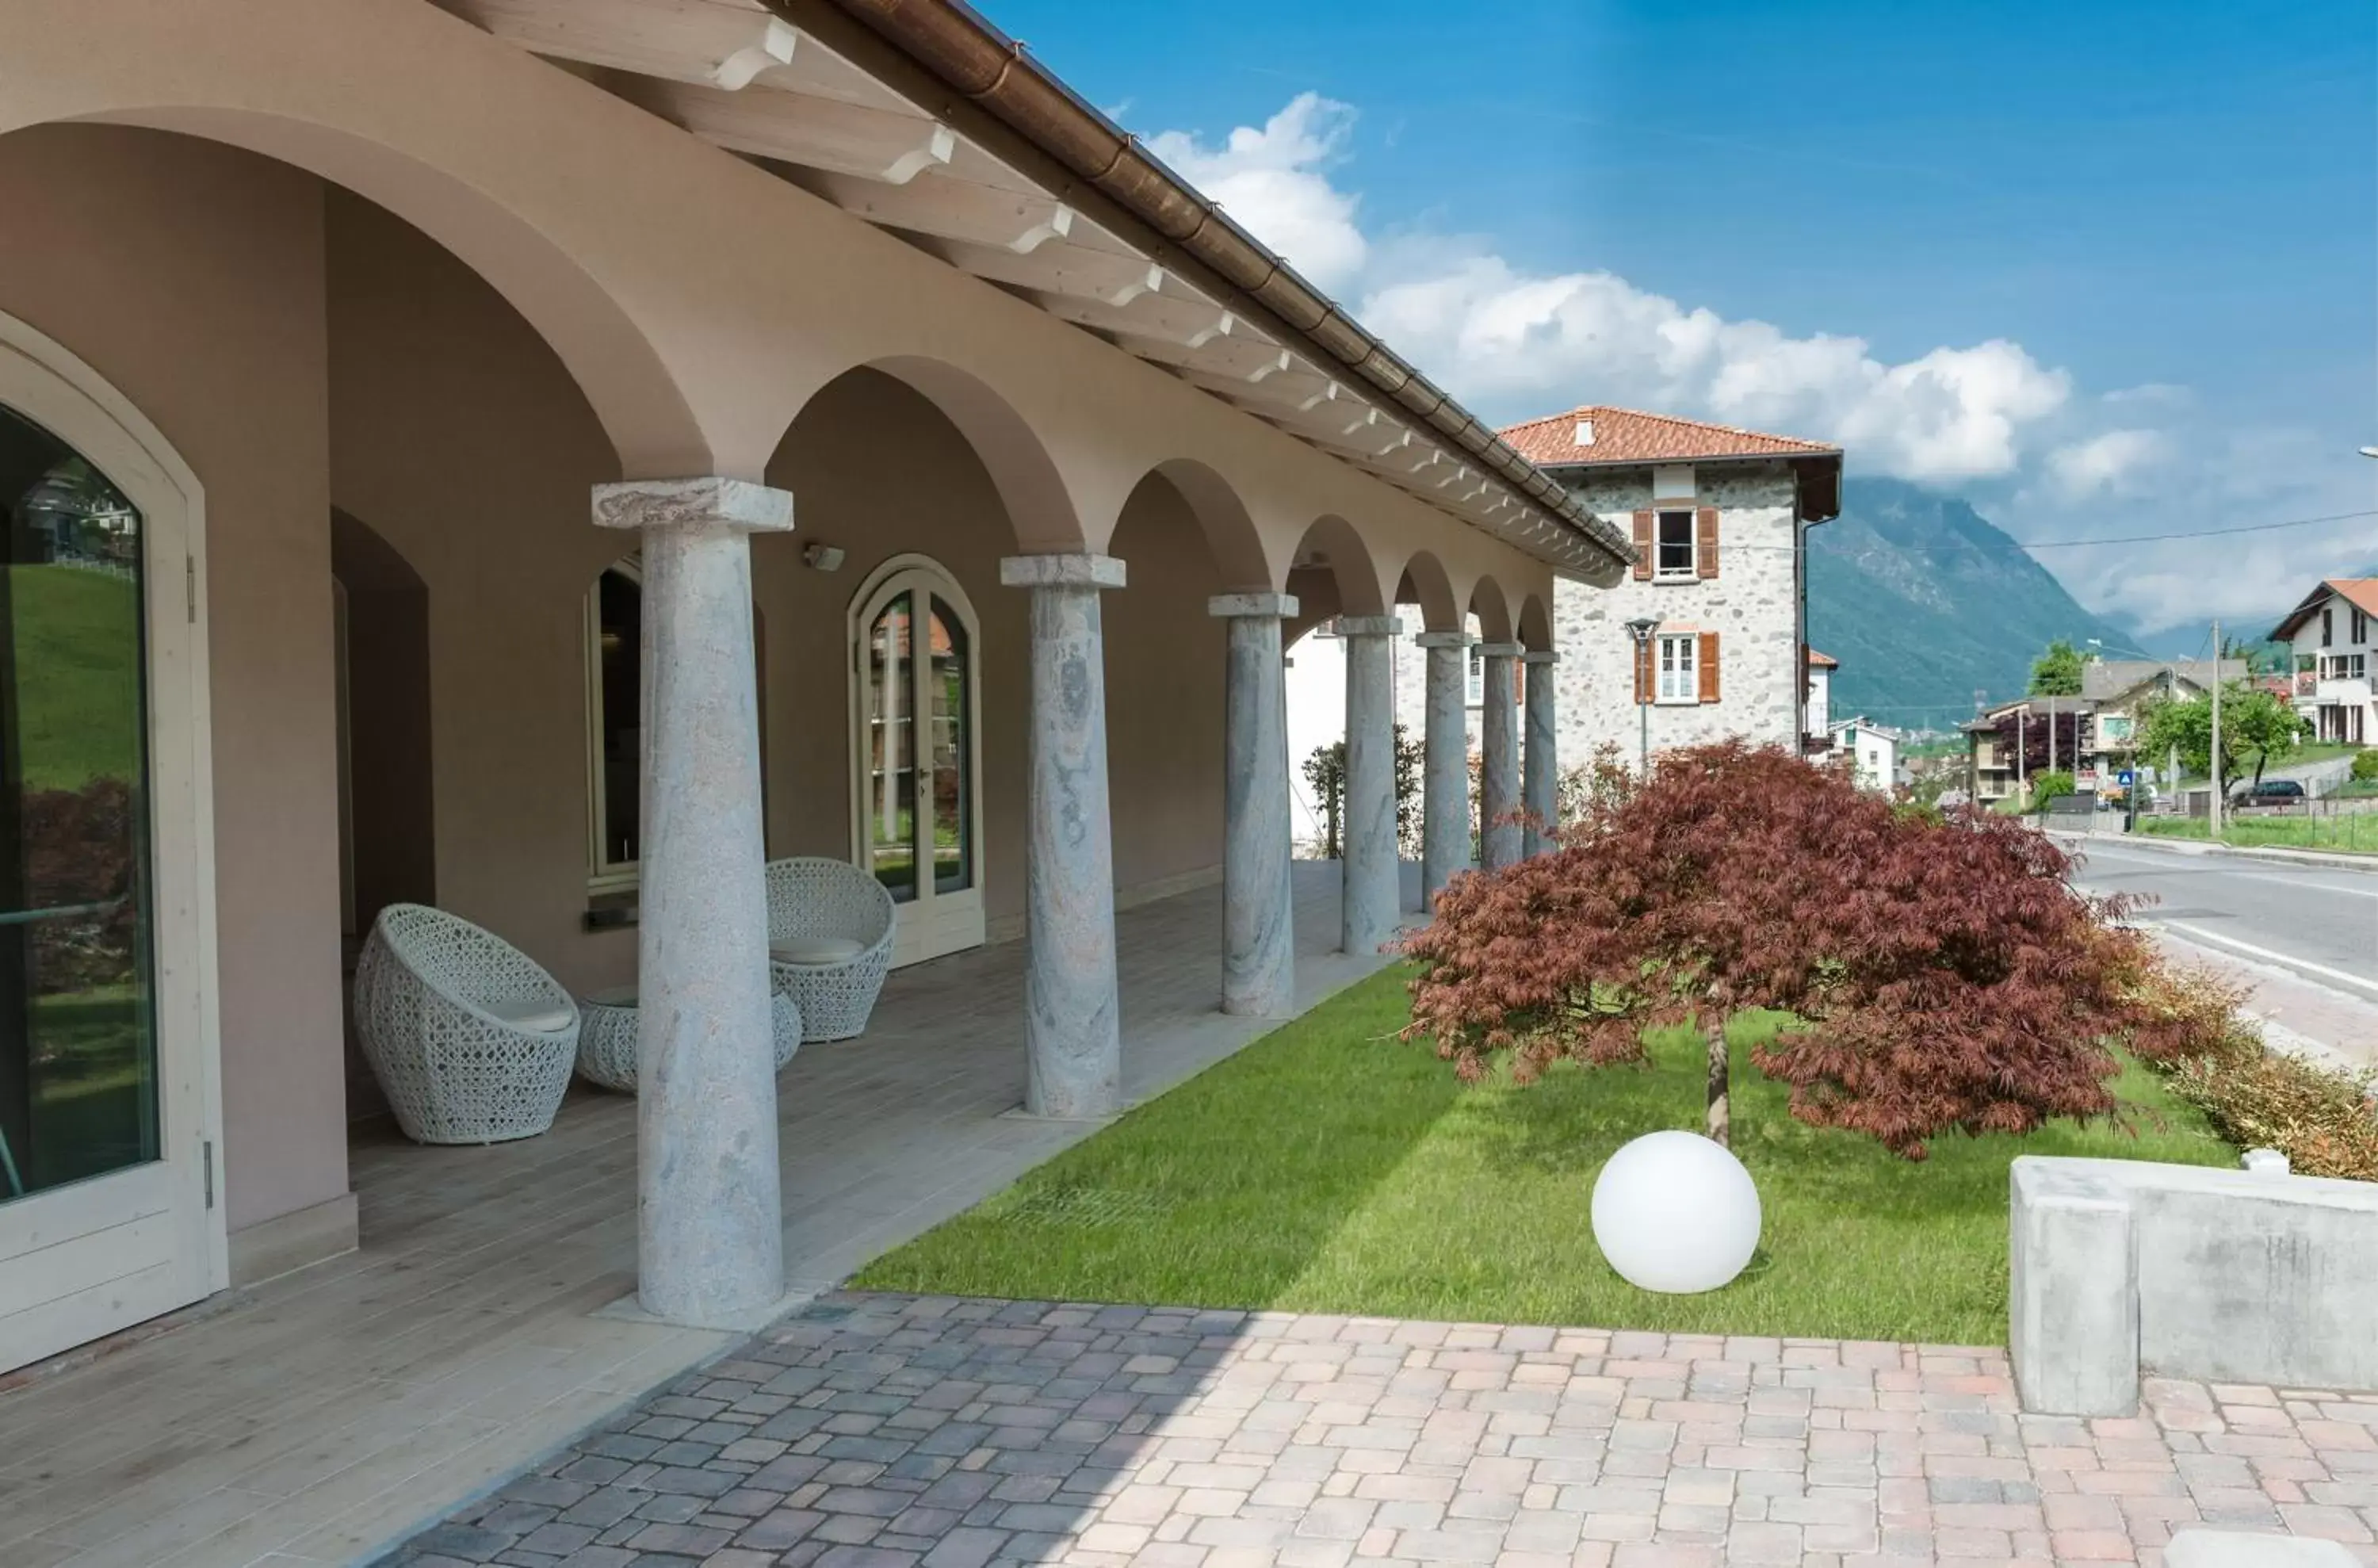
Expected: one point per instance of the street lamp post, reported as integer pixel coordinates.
(1641, 629)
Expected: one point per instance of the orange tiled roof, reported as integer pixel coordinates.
(2359, 592)
(1822, 661)
(1626, 435)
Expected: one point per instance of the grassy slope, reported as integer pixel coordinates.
(1329, 1167)
(77, 652)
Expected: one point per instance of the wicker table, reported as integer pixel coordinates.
(606, 1035)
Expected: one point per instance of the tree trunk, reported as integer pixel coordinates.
(1721, 1126)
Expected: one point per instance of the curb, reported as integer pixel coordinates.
(2341, 859)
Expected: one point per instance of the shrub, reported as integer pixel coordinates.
(1942, 974)
(2046, 787)
(2365, 764)
(2320, 1118)
(1324, 770)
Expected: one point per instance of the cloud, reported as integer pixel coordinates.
(2114, 463)
(1987, 417)
(1519, 343)
(1273, 181)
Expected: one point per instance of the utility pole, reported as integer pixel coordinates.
(2020, 715)
(2213, 763)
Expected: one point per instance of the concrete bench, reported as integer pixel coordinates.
(2119, 1268)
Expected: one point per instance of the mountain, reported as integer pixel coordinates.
(1924, 602)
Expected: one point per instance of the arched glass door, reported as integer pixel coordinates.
(107, 1157)
(916, 752)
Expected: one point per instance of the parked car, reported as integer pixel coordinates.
(2270, 792)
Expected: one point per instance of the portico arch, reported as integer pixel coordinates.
(1492, 609)
(1426, 583)
(1535, 624)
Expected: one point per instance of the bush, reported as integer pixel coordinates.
(1943, 973)
(2365, 766)
(1324, 770)
(2046, 787)
(2320, 1118)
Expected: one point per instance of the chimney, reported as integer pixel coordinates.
(1585, 432)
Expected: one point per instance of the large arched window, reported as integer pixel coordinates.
(917, 817)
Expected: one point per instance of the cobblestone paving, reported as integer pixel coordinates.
(887, 1431)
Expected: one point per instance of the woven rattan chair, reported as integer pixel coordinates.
(830, 928)
(472, 1042)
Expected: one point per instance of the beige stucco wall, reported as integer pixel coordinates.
(190, 276)
(706, 303)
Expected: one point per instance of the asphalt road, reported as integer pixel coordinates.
(2320, 922)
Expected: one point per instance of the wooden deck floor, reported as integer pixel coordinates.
(313, 1419)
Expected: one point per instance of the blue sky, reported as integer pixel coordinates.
(2140, 243)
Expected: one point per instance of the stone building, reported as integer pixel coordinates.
(1719, 517)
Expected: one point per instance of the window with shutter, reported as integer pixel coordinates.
(1678, 658)
(1642, 547)
(1672, 548)
(1709, 667)
(1643, 672)
(1705, 542)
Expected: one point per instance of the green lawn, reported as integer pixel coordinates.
(2356, 831)
(1332, 1168)
(77, 659)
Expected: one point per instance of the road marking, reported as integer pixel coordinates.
(2213, 864)
(2284, 959)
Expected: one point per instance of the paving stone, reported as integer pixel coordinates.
(876, 1431)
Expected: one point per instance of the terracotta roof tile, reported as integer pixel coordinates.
(1626, 435)
(2359, 592)
(1822, 661)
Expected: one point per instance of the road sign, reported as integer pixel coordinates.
(2126, 779)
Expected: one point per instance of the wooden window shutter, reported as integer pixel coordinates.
(1709, 667)
(1643, 547)
(1705, 542)
(1646, 655)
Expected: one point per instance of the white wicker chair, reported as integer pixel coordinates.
(830, 928)
(472, 1042)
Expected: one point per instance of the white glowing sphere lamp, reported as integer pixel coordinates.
(1675, 1213)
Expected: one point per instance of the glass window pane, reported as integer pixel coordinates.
(78, 1046)
(620, 634)
(892, 767)
(1675, 543)
(952, 763)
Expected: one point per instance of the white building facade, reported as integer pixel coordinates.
(2334, 634)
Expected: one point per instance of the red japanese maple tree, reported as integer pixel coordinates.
(1942, 974)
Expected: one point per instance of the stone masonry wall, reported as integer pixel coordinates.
(1750, 604)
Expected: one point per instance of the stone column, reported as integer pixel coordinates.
(1498, 781)
(1258, 930)
(1444, 768)
(1370, 891)
(1072, 1039)
(710, 1238)
(1541, 788)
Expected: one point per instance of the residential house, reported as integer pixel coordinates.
(2095, 732)
(2336, 658)
(1816, 722)
(1873, 751)
(404, 412)
(2117, 689)
(1719, 518)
